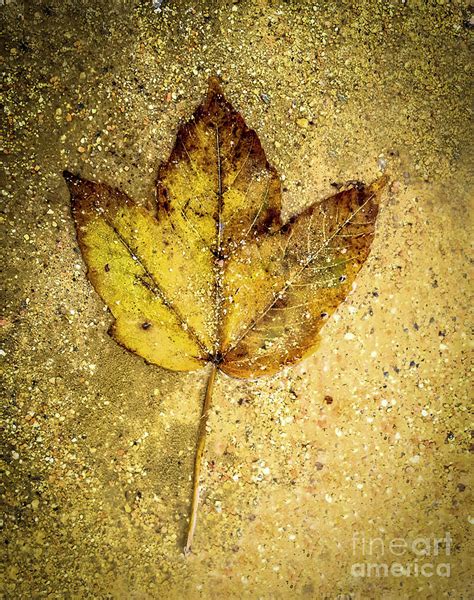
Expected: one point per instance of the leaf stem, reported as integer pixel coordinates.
(201, 442)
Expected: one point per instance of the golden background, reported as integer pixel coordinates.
(366, 439)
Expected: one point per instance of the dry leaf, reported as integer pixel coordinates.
(213, 275)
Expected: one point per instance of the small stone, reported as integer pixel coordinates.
(302, 122)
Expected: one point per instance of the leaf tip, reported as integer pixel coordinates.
(380, 183)
(214, 86)
(69, 177)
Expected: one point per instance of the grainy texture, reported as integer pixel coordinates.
(366, 439)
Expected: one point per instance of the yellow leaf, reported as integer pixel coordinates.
(213, 275)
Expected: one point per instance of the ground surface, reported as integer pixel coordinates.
(367, 441)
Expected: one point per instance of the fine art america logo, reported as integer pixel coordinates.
(398, 557)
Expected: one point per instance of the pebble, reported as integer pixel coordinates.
(302, 122)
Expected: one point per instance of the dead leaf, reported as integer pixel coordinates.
(213, 275)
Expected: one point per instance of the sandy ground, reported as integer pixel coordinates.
(312, 474)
